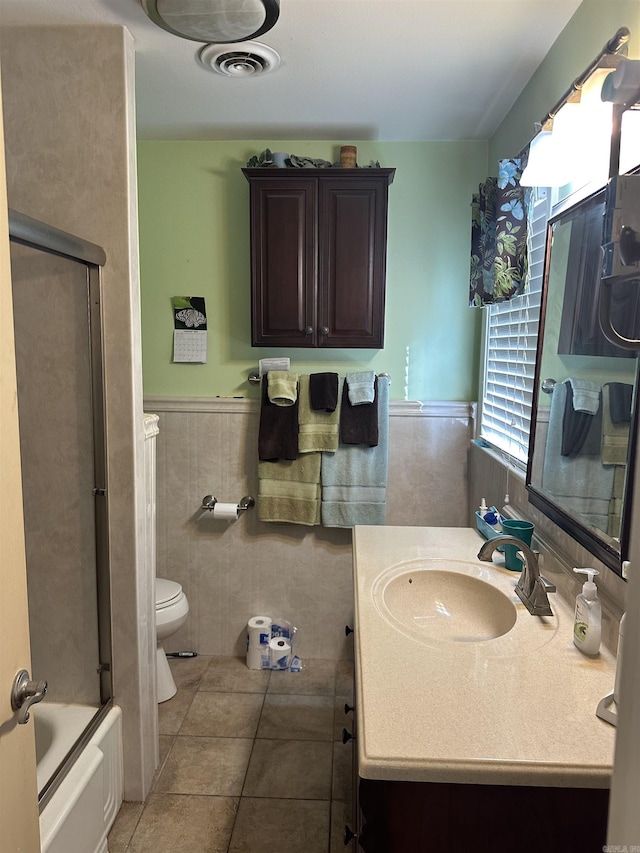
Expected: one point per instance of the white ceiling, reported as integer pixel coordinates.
(351, 69)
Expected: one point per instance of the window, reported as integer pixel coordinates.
(511, 336)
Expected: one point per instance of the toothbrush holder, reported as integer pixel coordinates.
(524, 531)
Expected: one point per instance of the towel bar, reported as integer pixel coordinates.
(254, 377)
(245, 503)
(547, 385)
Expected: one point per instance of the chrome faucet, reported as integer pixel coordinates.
(532, 588)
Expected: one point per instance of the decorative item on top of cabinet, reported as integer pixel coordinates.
(318, 256)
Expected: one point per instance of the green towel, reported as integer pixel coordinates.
(615, 437)
(317, 429)
(289, 490)
(282, 387)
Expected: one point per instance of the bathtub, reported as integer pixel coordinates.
(82, 809)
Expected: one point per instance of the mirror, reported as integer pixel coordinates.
(579, 447)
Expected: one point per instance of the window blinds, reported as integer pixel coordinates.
(510, 350)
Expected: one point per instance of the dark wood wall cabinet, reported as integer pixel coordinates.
(318, 256)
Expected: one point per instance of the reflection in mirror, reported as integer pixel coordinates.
(579, 451)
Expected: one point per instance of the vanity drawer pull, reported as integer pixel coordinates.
(348, 835)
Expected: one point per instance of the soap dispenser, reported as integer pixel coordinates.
(587, 626)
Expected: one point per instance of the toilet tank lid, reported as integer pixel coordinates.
(166, 591)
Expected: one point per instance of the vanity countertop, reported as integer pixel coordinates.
(515, 710)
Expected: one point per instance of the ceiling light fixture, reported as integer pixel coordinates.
(214, 21)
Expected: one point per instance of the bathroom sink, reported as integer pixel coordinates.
(434, 600)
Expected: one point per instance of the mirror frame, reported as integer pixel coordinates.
(571, 525)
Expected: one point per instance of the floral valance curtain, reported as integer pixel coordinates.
(499, 268)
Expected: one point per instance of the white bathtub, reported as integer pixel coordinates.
(80, 813)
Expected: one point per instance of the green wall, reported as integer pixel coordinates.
(590, 28)
(194, 240)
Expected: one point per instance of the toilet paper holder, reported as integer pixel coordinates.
(245, 503)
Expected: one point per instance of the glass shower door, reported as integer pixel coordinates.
(56, 319)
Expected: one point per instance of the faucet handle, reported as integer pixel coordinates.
(548, 586)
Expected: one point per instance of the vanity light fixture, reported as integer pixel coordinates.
(214, 21)
(546, 166)
(576, 132)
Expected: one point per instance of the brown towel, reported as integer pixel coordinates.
(278, 432)
(620, 395)
(581, 431)
(359, 424)
(323, 390)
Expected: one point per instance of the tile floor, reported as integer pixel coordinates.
(250, 762)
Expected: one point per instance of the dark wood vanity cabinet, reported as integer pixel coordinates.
(318, 256)
(429, 817)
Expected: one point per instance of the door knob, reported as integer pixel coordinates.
(25, 693)
(308, 330)
(324, 330)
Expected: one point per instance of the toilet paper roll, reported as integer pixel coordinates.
(258, 632)
(258, 658)
(258, 636)
(279, 653)
(225, 512)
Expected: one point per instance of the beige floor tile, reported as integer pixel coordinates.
(187, 672)
(166, 742)
(290, 826)
(344, 679)
(291, 769)
(172, 713)
(232, 675)
(317, 677)
(206, 765)
(297, 718)
(223, 715)
(124, 826)
(172, 823)
(342, 777)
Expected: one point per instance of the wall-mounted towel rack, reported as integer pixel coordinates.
(254, 377)
(548, 385)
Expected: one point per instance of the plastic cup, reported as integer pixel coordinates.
(523, 530)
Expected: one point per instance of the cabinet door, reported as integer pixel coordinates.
(352, 261)
(283, 262)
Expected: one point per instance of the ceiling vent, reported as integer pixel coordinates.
(239, 60)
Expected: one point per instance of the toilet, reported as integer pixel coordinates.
(172, 609)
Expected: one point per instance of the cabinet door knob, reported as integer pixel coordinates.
(347, 630)
(324, 330)
(308, 330)
(347, 708)
(346, 736)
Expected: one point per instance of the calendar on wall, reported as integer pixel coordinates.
(190, 329)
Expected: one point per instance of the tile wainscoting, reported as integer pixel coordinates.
(231, 572)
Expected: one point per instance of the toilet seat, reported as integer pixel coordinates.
(167, 593)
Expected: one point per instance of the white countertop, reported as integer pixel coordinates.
(515, 710)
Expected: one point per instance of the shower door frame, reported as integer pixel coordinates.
(43, 237)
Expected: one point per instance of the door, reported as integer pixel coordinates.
(19, 825)
(283, 262)
(352, 260)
